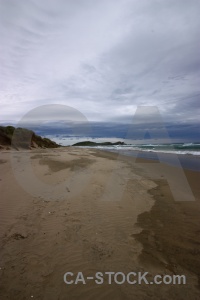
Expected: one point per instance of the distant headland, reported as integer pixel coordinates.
(88, 143)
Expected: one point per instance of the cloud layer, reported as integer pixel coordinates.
(103, 58)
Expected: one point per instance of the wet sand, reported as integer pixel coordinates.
(94, 212)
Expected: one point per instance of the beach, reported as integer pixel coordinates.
(85, 210)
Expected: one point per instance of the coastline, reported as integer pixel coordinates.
(186, 161)
(122, 220)
(175, 234)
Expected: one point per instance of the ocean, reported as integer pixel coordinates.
(176, 148)
(185, 155)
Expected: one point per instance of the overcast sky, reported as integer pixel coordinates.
(102, 57)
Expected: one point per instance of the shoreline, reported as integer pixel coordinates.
(153, 224)
(124, 219)
(186, 161)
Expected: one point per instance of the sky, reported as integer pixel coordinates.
(103, 58)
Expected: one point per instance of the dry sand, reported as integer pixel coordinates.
(92, 211)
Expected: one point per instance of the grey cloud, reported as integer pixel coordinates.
(103, 58)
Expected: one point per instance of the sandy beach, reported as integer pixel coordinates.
(85, 210)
